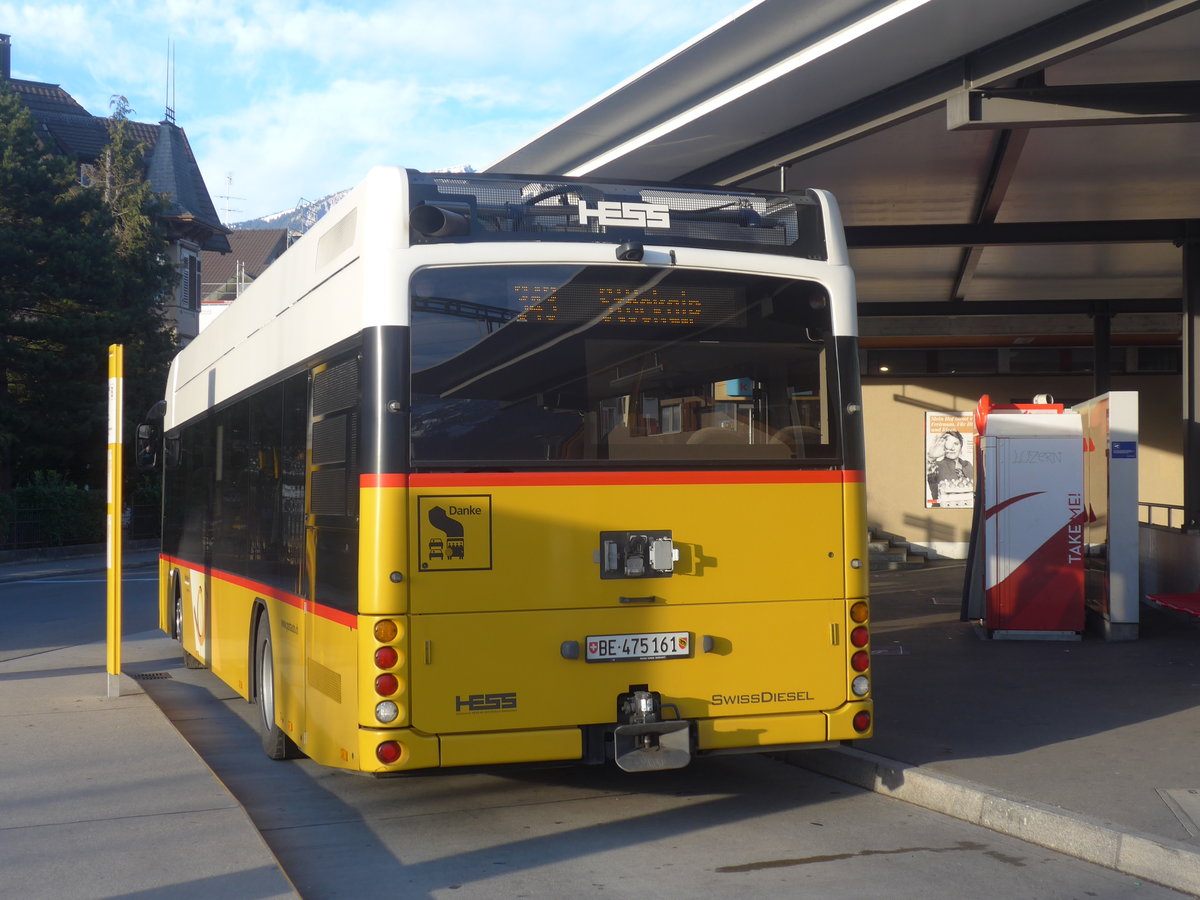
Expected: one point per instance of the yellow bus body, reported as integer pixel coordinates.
(769, 566)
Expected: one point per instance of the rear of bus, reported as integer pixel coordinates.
(630, 494)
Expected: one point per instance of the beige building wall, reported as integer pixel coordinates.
(894, 416)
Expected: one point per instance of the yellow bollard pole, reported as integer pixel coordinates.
(116, 390)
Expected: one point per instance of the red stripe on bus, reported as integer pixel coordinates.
(382, 480)
(341, 617)
(557, 479)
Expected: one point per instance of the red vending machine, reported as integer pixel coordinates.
(1032, 520)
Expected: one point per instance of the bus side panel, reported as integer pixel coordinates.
(330, 686)
(383, 575)
(231, 605)
(855, 506)
(508, 671)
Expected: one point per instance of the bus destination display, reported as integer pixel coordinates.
(610, 304)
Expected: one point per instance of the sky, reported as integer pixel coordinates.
(284, 100)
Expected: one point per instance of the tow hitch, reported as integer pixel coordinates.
(642, 741)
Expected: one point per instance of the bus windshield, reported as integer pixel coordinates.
(535, 365)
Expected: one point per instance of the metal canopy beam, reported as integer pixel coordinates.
(864, 117)
(1007, 152)
(940, 308)
(1081, 29)
(1076, 104)
(1000, 64)
(1011, 234)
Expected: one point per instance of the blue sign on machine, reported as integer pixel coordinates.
(1123, 450)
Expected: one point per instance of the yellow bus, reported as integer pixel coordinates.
(493, 469)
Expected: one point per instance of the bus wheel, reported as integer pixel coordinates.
(189, 661)
(176, 615)
(275, 741)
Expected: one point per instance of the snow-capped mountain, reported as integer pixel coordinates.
(299, 218)
(306, 213)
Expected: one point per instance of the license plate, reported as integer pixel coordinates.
(629, 647)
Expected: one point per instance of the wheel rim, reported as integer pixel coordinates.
(178, 619)
(266, 686)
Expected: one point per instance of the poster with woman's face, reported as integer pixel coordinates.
(949, 460)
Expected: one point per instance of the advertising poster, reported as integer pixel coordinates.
(949, 460)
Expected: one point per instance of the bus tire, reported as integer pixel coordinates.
(176, 610)
(275, 741)
(189, 661)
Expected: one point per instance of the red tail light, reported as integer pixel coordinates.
(860, 636)
(862, 721)
(386, 684)
(389, 751)
(386, 657)
(860, 661)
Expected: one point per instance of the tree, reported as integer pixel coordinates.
(78, 271)
(143, 274)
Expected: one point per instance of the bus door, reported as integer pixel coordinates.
(331, 539)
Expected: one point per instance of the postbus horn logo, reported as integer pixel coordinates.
(455, 546)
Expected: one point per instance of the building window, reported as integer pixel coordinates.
(189, 281)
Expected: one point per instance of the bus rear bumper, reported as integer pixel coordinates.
(634, 746)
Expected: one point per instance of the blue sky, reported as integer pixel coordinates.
(288, 100)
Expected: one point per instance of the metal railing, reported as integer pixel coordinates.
(29, 528)
(1165, 515)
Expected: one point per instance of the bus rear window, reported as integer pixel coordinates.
(544, 365)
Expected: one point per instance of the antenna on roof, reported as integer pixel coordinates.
(169, 100)
(229, 211)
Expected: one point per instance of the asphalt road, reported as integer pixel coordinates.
(46, 613)
(740, 826)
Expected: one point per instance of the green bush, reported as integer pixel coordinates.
(8, 510)
(68, 514)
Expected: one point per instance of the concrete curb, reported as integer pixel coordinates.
(1169, 863)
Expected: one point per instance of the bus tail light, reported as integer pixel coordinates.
(860, 661)
(387, 683)
(862, 721)
(859, 637)
(389, 752)
(386, 657)
(860, 612)
(861, 686)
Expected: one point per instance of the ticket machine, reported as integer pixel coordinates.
(1030, 540)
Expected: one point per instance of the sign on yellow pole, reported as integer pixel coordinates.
(116, 389)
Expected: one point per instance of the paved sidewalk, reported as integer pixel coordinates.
(103, 797)
(1090, 748)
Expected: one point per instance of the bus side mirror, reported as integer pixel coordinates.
(149, 443)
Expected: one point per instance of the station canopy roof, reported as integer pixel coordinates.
(1015, 159)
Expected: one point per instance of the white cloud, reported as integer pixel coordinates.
(301, 98)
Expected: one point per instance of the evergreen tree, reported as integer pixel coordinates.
(143, 274)
(78, 271)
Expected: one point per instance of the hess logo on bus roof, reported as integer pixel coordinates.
(614, 212)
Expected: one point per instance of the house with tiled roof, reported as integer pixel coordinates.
(227, 274)
(191, 220)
